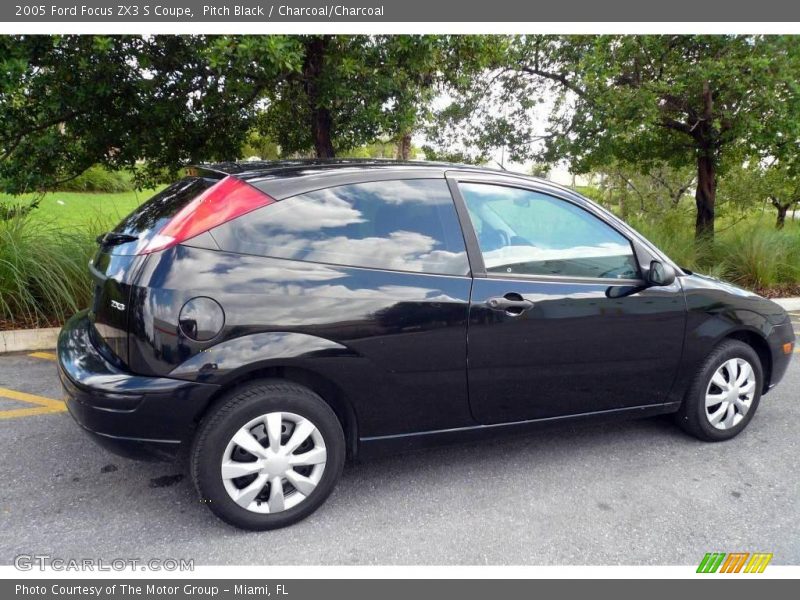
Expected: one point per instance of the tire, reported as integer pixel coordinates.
(696, 418)
(273, 491)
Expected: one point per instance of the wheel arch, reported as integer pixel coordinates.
(759, 344)
(330, 393)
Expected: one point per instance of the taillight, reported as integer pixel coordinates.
(223, 201)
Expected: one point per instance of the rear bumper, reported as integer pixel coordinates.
(131, 415)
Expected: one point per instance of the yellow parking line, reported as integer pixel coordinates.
(29, 412)
(43, 405)
(44, 355)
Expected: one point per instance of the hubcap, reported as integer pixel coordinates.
(730, 393)
(273, 462)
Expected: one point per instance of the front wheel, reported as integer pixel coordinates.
(724, 394)
(269, 456)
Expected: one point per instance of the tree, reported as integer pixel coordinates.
(704, 101)
(773, 181)
(418, 67)
(385, 149)
(155, 103)
(69, 102)
(657, 189)
(334, 102)
(539, 169)
(260, 146)
(353, 90)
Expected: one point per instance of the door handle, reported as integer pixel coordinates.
(512, 304)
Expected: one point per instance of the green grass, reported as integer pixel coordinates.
(43, 271)
(758, 256)
(72, 210)
(751, 253)
(44, 255)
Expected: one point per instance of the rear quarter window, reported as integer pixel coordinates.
(402, 225)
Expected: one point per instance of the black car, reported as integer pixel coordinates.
(274, 319)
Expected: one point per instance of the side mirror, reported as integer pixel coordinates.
(660, 274)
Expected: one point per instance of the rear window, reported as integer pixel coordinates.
(403, 225)
(147, 220)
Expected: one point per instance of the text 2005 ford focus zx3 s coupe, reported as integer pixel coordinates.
(273, 319)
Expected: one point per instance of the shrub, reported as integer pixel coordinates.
(756, 255)
(44, 276)
(99, 179)
(751, 253)
(18, 209)
(673, 233)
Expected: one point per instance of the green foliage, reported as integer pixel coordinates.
(776, 183)
(379, 149)
(44, 255)
(99, 179)
(452, 156)
(672, 232)
(70, 102)
(750, 253)
(260, 146)
(12, 210)
(706, 101)
(540, 169)
(657, 188)
(759, 256)
(43, 271)
(643, 98)
(352, 90)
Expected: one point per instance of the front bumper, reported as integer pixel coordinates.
(131, 415)
(780, 335)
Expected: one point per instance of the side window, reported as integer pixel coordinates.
(528, 233)
(402, 225)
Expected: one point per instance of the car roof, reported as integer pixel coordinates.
(267, 173)
(298, 167)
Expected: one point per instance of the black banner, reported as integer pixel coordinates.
(74, 589)
(314, 11)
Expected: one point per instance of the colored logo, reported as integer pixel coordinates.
(735, 562)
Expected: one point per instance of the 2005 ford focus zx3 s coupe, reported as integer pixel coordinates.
(273, 319)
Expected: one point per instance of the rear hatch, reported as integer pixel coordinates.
(119, 258)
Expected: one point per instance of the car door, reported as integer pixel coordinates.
(560, 320)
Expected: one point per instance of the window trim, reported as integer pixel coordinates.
(475, 255)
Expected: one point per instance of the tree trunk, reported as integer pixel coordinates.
(322, 133)
(404, 146)
(321, 121)
(781, 217)
(782, 209)
(706, 196)
(623, 197)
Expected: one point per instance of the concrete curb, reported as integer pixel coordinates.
(25, 340)
(788, 303)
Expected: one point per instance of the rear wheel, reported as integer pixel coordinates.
(268, 456)
(724, 394)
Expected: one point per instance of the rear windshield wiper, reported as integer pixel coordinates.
(113, 238)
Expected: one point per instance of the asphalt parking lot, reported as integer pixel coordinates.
(638, 492)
